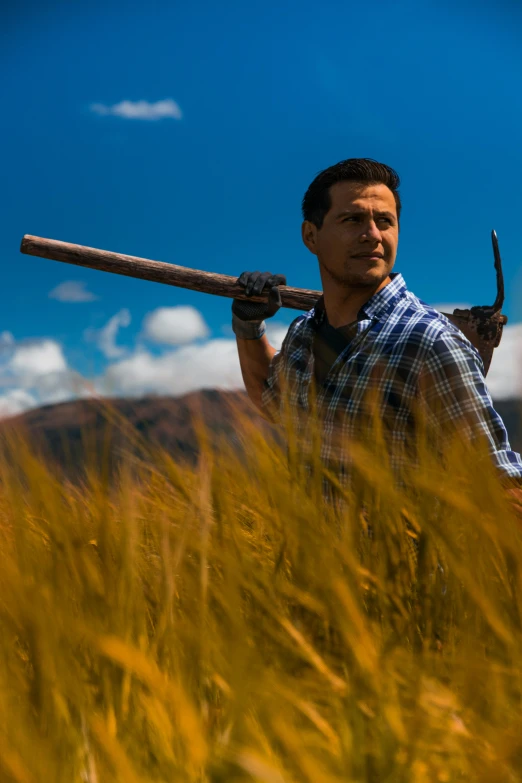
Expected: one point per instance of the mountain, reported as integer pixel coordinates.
(67, 431)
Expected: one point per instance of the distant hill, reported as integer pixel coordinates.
(64, 431)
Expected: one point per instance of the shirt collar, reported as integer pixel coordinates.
(378, 305)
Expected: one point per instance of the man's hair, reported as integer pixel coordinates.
(317, 201)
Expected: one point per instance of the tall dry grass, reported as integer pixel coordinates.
(223, 624)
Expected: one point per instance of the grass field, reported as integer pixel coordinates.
(222, 624)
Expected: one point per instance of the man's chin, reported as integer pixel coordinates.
(363, 276)
(372, 278)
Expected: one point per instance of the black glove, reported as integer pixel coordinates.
(248, 317)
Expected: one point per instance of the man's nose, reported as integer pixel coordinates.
(371, 231)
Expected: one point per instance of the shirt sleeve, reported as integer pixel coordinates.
(271, 394)
(454, 392)
(277, 372)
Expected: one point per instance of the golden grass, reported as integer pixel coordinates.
(221, 624)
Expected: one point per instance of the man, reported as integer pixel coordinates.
(367, 334)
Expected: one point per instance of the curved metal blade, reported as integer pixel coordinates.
(499, 301)
(483, 324)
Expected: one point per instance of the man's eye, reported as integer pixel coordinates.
(356, 217)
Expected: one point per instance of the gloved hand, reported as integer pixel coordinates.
(248, 317)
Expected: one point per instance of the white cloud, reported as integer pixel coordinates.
(140, 110)
(504, 378)
(105, 338)
(213, 364)
(175, 325)
(72, 291)
(34, 373)
(16, 401)
(37, 358)
(57, 387)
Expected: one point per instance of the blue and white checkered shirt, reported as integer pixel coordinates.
(406, 353)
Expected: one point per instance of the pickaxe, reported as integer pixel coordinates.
(482, 324)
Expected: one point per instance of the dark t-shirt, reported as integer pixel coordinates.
(328, 344)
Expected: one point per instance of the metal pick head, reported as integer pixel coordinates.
(499, 301)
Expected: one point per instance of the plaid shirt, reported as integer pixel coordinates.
(403, 351)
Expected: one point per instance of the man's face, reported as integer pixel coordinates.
(357, 243)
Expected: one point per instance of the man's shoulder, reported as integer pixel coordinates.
(418, 318)
(420, 322)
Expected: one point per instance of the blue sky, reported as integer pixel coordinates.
(266, 94)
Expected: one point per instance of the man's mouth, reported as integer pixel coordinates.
(369, 255)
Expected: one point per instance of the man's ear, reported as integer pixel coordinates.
(309, 236)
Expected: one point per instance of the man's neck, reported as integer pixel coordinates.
(342, 305)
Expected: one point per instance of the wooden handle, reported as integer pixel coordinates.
(158, 271)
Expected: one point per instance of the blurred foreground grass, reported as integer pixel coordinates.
(222, 624)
